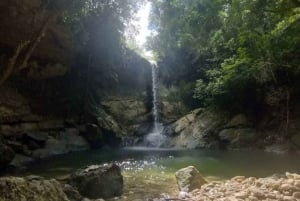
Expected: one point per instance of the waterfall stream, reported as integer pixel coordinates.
(155, 138)
(155, 99)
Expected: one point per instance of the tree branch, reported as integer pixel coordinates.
(36, 41)
(10, 68)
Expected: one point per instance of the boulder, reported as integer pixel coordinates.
(98, 181)
(73, 140)
(187, 120)
(107, 122)
(52, 147)
(189, 179)
(172, 110)
(237, 137)
(6, 155)
(72, 193)
(31, 188)
(67, 141)
(197, 129)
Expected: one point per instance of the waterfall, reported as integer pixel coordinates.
(155, 138)
(155, 100)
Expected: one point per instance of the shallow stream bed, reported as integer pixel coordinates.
(148, 173)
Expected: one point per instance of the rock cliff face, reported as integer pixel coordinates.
(22, 19)
(32, 135)
(204, 128)
(130, 113)
(44, 109)
(27, 134)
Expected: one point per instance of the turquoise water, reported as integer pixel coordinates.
(150, 172)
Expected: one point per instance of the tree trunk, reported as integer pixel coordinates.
(10, 68)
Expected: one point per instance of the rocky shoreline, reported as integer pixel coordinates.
(99, 182)
(240, 188)
(254, 189)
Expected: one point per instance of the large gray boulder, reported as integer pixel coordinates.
(239, 132)
(172, 110)
(198, 129)
(206, 128)
(98, 181)
(189, 179)
(31, 188)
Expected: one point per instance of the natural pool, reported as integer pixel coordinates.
(150, 172)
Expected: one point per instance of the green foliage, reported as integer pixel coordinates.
(183, 92)
(233, 51)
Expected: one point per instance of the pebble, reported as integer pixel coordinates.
(296, 195)
(238, 178)
(288, 198)
(242, 195)
(241, 188)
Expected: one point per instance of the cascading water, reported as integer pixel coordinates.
(155, 138)
(155, 100)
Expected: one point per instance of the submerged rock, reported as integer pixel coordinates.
(98, 181)
(189, 179)
(31, 188)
